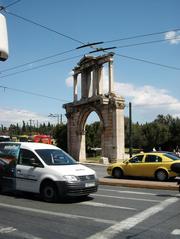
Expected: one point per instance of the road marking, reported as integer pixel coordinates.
(4, 230)
(14, 232)
(176, 232)
(58, 214)
(96, 204)
(124, 191)
(130, 222)
(127, 198)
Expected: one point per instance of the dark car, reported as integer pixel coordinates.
(7, 170)
(3, 165)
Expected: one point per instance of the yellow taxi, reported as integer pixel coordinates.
(153, 164)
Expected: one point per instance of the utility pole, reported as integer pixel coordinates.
(130, 129)
(58, 116)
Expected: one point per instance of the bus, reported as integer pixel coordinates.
(41, 138)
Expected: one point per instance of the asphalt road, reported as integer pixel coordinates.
(111, 213)
(100, 169)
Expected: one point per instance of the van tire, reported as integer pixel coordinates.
(49, 192)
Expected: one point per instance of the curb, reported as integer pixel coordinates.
(135, 183)
(139, 184)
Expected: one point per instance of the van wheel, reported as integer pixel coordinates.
(161, 175)
(49, 192)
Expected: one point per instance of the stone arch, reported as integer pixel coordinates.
(84, 115)
(109, 108)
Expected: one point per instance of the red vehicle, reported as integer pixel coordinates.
(46, 139)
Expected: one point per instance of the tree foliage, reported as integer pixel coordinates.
(162, 133)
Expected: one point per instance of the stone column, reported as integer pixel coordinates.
(83, 85)
(88, 84)
(111, 80)
(95, 81)
(100, 80)
(75, 88)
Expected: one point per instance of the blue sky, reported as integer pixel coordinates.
(151, 88)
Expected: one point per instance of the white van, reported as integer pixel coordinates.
(45, 169)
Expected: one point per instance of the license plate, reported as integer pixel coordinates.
(87, 185)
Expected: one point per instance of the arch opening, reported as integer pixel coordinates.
(93, 135)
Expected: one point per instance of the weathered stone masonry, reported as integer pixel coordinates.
(109, 108)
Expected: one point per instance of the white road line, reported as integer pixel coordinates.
(96, 204)
(130, 222)
(4, 230)
(127, 198)
(14, 232)
(124, 191)
(176, 232)
(24, 235)
(57, 214)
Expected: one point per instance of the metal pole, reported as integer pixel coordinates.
(130, 129)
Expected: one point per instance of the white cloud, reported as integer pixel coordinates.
(173, 37)
(14, 116)
(147, 99)
(147, 96)
(69, 80)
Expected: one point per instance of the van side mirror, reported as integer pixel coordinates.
(33, 162)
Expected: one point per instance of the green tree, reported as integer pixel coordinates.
(60, 136)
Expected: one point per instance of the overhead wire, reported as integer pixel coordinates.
(68, 51)
(65, 101)
(142, 35)
(11, 4)
(71, 38)
(40, 66)
(33, 93)
(90, 45)
(43, 26)
(149, 62)
(149, 42)
(36, 61)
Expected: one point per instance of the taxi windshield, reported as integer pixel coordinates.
(55, 157)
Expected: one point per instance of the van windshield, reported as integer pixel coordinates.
(55, 157)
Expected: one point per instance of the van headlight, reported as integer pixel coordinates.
(71, 178)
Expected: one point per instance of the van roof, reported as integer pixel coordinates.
(32, 145)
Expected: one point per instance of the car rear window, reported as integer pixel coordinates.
(171, 156)
(152, 158)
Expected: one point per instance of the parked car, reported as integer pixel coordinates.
(47, 170)
(153, 164)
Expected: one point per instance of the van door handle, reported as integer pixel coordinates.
(18, 171)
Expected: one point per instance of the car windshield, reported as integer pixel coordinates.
(171, 156)
(55, 157)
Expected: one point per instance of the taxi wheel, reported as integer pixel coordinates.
(161, 175)
(117, 173)
(49, 192)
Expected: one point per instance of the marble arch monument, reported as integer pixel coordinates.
(109, 107)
